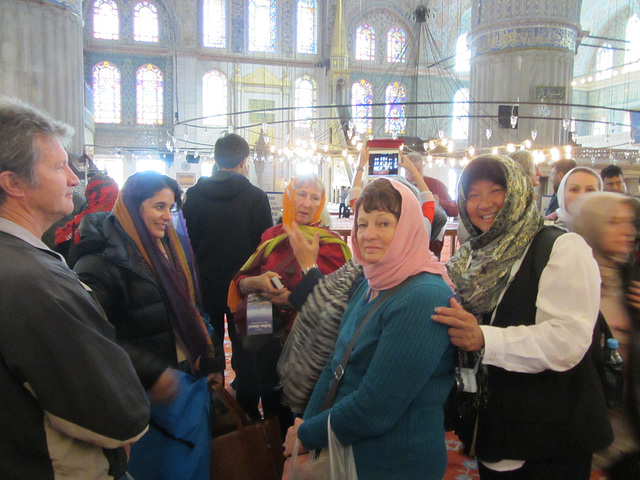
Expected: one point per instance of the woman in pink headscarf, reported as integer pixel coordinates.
(388, 406)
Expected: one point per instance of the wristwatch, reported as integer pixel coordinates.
(307, 269)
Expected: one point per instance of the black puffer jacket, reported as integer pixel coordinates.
(111, 264)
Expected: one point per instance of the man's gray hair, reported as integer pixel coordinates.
(20, 126)
(416, 157)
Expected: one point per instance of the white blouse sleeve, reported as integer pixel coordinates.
(567, 304)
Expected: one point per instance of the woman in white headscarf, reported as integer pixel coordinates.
(576, 182)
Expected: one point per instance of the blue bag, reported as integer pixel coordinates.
(178, 443)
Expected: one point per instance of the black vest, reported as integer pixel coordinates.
(548, 414)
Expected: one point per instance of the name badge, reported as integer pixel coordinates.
(259, 315)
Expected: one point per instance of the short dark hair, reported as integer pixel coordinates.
(231, 150)
(484, 167)
(611, 171)
(143, 185)
(564, 165)
(380, 195)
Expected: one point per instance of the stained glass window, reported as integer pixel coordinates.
(307, 25)
(106, 93)
(106, 24)
(305, 100)
(149, 95)
(361, 109)
(460, 124)
(214, 98)
(145, 22)
(632, 55)
(396, 45)
(214, 23)
(463, 54)
(365, 43)
(604, 62)
(395, 118)
(262, 26)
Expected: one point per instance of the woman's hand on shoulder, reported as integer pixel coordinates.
(464, 331)
(306, 251)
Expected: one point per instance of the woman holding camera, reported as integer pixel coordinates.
(530, 298)
(303, 202)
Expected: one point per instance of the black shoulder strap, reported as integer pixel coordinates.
(542, 245)
(339, 371)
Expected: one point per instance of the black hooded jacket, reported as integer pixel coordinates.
(226, 216)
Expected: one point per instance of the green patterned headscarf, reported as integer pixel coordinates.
(480, 268)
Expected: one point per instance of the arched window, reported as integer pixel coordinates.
(145, 22)
(262, 26)
(305, 100)
(604, 62)
(361, 109)
(632, 55)
(396, 45)
(460, 124)
(463, 54)
(149, 95)
(106, 93)
(395, 119)
(106, 23)
(214, 99)
(307, 26)
(214, 23)
(365, 43)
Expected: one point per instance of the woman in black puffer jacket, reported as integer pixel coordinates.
(139, 263)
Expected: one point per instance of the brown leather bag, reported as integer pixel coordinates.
(251, 452)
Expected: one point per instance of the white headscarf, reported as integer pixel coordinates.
(566, 218)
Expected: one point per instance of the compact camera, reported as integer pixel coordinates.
(466, 380)
(275, 281)
(384, 157)
(383, 163)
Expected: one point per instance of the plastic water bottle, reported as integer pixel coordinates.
(613, 376)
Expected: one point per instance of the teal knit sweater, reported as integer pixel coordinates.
(389, 404)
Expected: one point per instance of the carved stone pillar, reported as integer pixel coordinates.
(41, 58)
(520, 48)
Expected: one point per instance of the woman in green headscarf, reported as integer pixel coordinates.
(529, 302)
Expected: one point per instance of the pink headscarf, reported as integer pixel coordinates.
(408, 253)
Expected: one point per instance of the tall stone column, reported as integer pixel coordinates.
(520, 48)
(41, 58)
